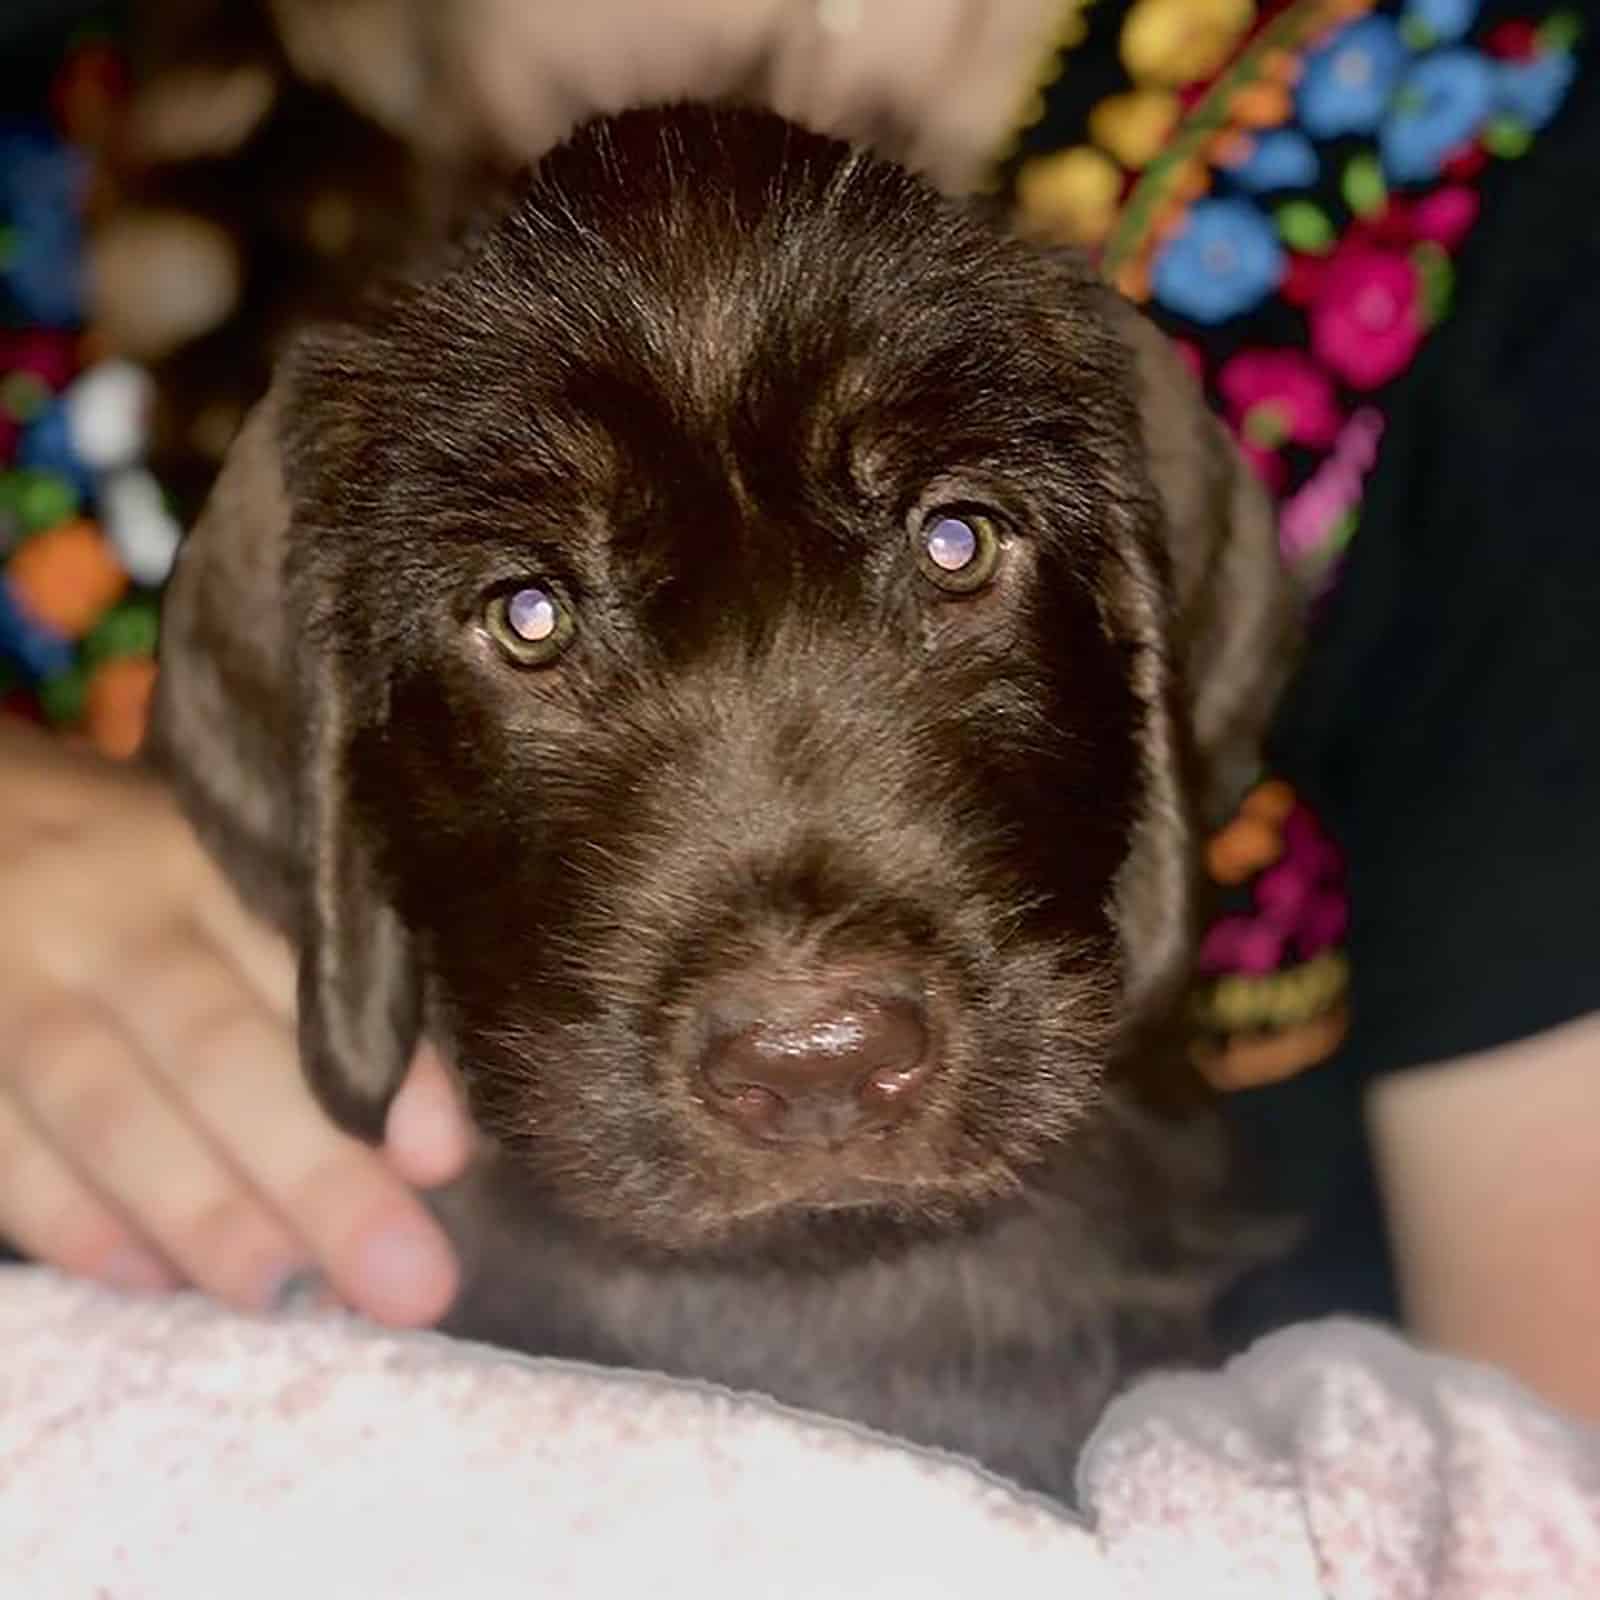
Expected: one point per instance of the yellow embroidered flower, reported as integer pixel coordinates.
(1177, 41)
(1070, 196)
(1133, 127)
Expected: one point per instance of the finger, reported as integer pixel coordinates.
(235, 1069)
(48, 1214)
(48, 783)
(83, 1086)
(428, 1140)
(261, 955)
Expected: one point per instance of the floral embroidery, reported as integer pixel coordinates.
(1133, 127)
(1531, 91)
(1348, 83)
(1441, 104)
(1366, 321)
(1281, 159)
(1223, 260)
(1176, 41)
(1289, 207)
(1072, 195)
(1316, 521)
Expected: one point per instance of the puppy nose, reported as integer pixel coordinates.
(792, 1063)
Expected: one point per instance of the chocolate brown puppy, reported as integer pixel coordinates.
(743, 655)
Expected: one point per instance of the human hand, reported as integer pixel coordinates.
(155, 1130)
(954, 72)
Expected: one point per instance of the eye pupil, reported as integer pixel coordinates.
(532, 615)
(952, 544)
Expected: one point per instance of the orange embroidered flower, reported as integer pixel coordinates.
(1191, 181)
(1245, 846)
(1271, 802)
(67, 578)
(1252, 1063)
(1071, 196)
(1263, 104)
(117, 705)
(1232, 147)
(1133, 280)
(1175, 42)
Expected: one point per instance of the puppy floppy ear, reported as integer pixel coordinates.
(1213, 620)
(254, 718)
(1236, 615)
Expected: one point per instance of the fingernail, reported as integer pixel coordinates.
(298, 1290)
(406, 1274)
(429, 1135)
(137, 1271)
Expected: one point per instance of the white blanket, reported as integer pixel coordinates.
(166, 1450)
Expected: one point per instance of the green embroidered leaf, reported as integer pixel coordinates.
(1364, 189)
(38, 499)
(1417, 34)
(130, 630)
(1561, 31)
(1507, 138)
(62, 698)
(1304, 227)
(1267, 424)
(1437, 279)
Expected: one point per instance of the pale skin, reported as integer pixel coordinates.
(154, 1129)
(1490, 1173)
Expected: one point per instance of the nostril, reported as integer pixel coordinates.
(788, 1061)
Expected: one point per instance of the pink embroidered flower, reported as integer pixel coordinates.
(1446, 216)
(1282, 891)
(1306, 844)
(1277, 396)
(1323, 924)
(1366, 322)
(1238, 944)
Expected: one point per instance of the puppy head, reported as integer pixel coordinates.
(733, 643)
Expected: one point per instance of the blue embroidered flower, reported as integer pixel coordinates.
(1439, 21)
(1440, 106)
(1225, 260)
(41, 182)
(1282, 159)
(1347, 83)
(1531, 92)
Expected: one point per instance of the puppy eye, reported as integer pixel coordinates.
(957, 551)
(529, 624)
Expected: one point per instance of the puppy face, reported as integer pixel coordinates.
(738, 580)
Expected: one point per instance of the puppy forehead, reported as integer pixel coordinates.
(697, 315)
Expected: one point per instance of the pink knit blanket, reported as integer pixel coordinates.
(167, 1450)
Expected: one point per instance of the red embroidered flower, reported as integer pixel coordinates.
(1391, 226)
(1302, 280)
(1467, 163)
(1517, 40)
(1366, 322)
(1275, 396)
